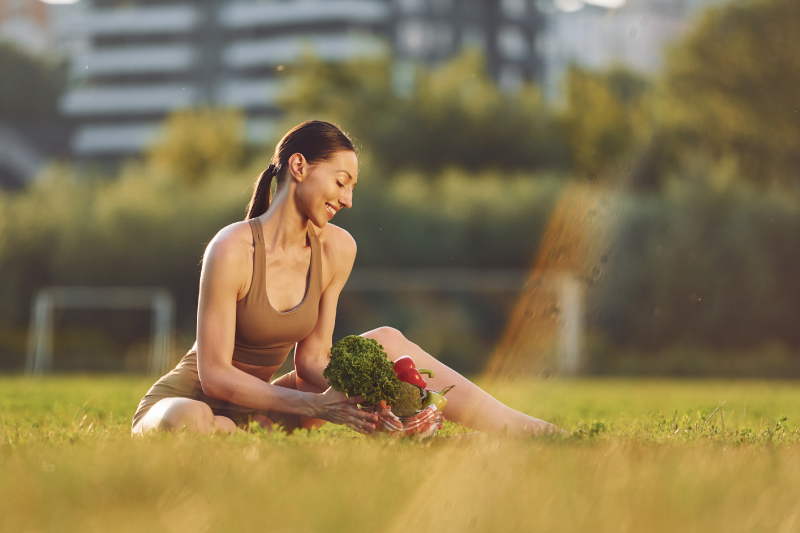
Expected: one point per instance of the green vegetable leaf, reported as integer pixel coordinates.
(360, 366)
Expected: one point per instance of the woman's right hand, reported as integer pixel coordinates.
(338, 408)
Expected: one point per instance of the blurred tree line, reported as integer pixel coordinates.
(32, 92)
(456, 172)
(412, 117)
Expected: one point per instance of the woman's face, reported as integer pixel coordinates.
(328, 187)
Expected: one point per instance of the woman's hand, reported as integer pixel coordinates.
(336, 407)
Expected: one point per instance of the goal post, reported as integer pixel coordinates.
(47, 300)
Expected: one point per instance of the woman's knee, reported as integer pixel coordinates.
(386, 336)
(174, 414)
(224, 424)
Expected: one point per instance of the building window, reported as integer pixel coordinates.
(545, 6)
(411, 35)
(545, 45)
(513, 9)
(512, 43)
(403, 78)
(410, 7)
(443, 37)
(442, 6)
(511, 78)
(569, 6)
(472, 37)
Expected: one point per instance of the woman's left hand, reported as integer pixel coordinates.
(337, 407)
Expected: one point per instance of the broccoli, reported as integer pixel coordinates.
(360, 366)
(409, 400)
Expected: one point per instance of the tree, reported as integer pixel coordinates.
(454, 115)
(29, 87)
(606, 118)
(196, 142)
(732, 89)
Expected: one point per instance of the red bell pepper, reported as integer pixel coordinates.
(404, 368)
(413, 376)
(402, 364)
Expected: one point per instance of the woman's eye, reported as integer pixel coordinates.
(340, 184)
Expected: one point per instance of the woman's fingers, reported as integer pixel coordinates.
(343, 411)
(369, 417)
(362, 424)
(358, 429)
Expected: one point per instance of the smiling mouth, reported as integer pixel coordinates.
(331, 209)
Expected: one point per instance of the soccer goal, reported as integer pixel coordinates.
(47, 300)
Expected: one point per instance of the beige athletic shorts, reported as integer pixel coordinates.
(184, 382)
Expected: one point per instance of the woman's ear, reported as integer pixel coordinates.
(298, 167)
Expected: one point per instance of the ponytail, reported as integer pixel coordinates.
(316, 140)
(262, 193)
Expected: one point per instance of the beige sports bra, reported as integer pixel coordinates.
(264, 337)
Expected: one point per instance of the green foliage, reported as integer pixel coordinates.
(196, 143)
(454, 115)
(148, 228)
(360, 367)
(32, 92)
(606, 119)
(732, 89)
(454, 219)
(703, 266)
(409, 400)
(138, 229)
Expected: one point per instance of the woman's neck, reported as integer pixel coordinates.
(284, 225)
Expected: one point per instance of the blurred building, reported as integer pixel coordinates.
(32, 28)
(26, 23)
(598, 34)
(505, 30)
(145, 59)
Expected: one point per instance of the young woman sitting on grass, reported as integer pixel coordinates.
(273, 280)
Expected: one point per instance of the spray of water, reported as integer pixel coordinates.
(545, 330)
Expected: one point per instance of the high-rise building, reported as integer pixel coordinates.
(505, 30)
(598, 34)
(30, 132)
(26, 24)
(145, 59)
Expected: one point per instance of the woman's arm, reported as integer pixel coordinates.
(223, 278)
(313, 353)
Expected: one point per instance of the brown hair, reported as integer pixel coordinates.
(316, 140)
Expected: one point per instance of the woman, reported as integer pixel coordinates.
(254, 274)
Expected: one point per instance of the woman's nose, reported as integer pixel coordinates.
(346, 199)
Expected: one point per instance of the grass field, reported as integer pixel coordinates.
(643, 455)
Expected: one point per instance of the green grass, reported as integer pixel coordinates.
(643, 455)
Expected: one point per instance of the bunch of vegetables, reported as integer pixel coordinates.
(417, 404)
(360, 366)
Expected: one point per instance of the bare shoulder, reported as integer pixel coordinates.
(230, 249)
(338, 249)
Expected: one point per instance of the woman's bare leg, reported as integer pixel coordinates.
(292, 422)
(468, 404)
(175, 414)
